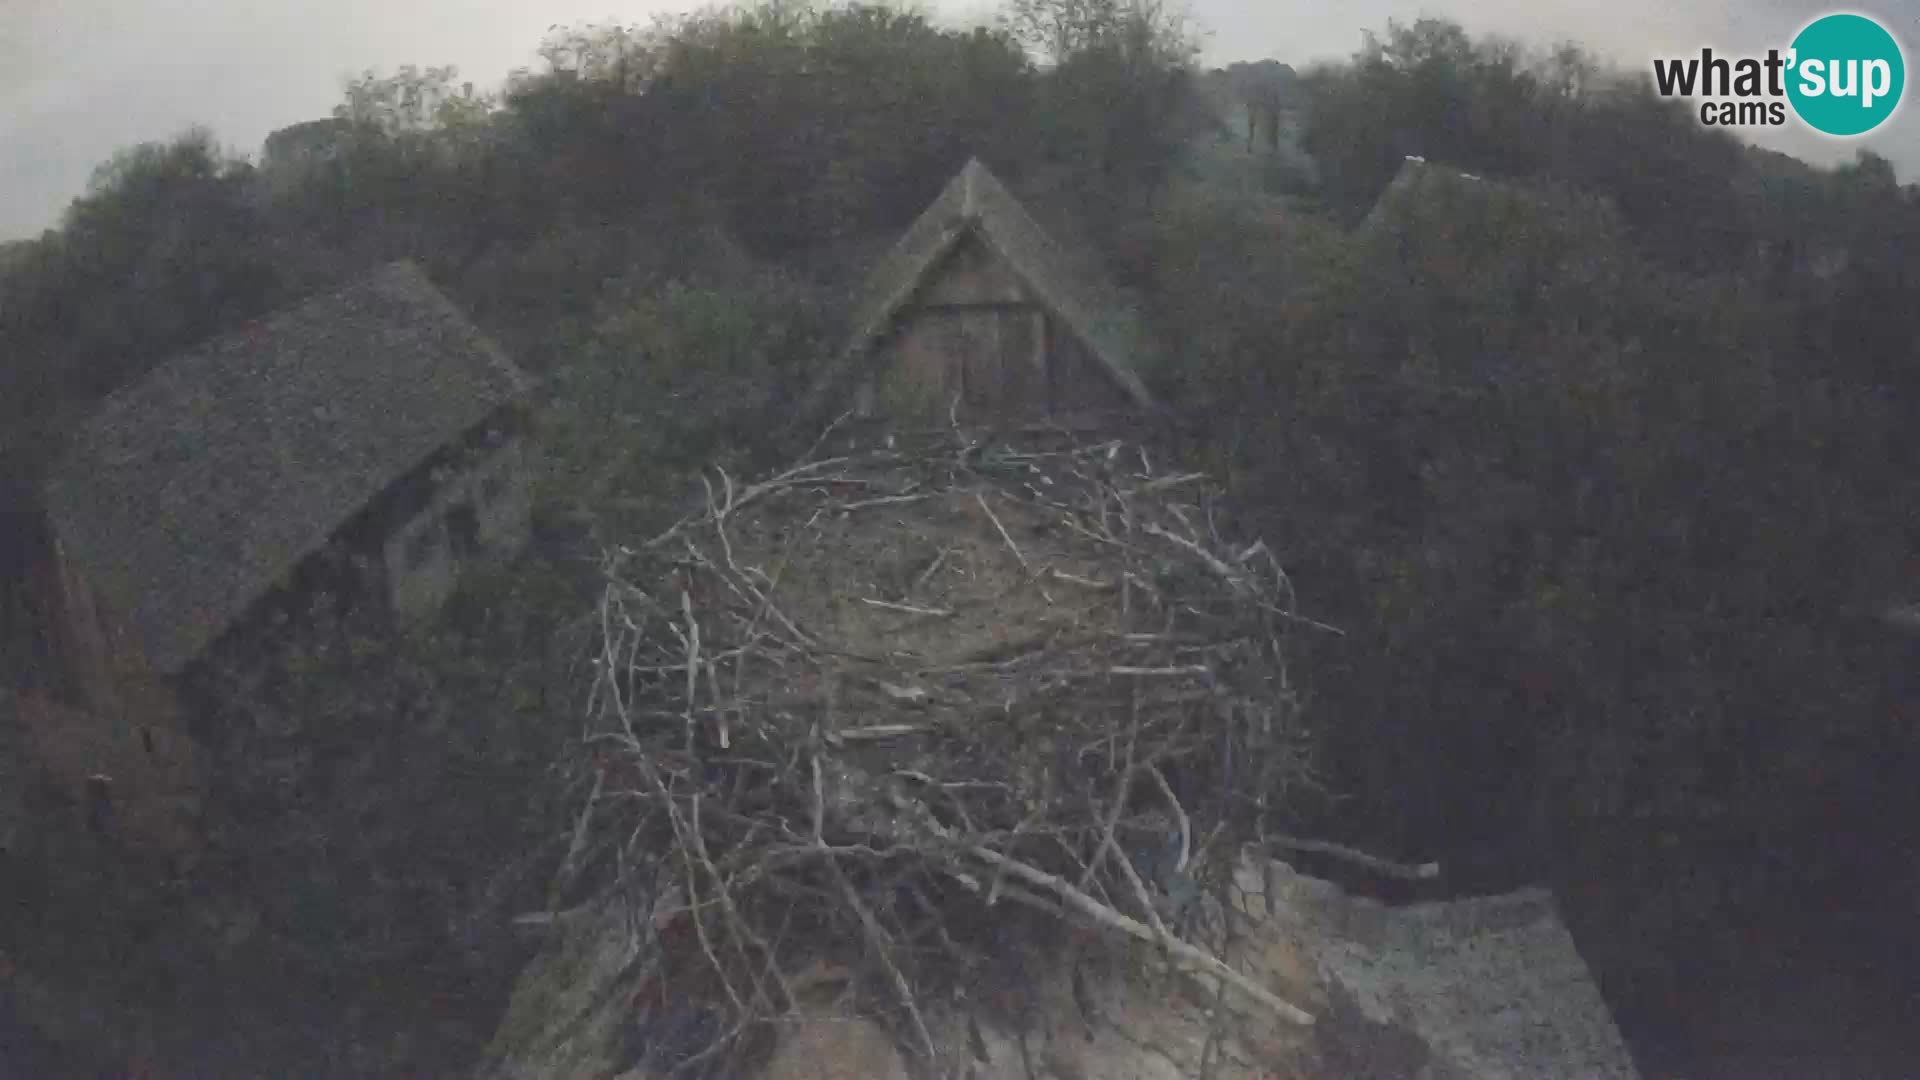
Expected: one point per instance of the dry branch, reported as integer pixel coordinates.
(1179, 814)
(1004, 534)
(1426, 871)
(1196, 959)
(910, 609)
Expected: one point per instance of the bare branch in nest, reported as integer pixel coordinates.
(932, 569)
(1194, 958)
(1179, 814)
(1085, 583)
(825, 434)
(911, 609)
(884, 500)
(570, 864)
(1164, 482)
(798, 474)
(883, 951)
(693, 660)
(1427, 871)
(1213, 562)
(1004, 535)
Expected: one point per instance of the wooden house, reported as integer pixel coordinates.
(368, 442)
(977, 313)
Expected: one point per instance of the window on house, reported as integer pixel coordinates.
(422, 546)
(463, 528)
(493, 486)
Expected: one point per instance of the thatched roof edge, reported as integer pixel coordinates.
(976, 201)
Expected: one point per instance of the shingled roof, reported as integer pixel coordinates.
(1494, 986)
(193, 491)
(975, 202)
(1416, 173)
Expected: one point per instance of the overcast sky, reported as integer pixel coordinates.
(82, 78)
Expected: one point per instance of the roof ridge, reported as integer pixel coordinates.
(970, 178)
(976, 199)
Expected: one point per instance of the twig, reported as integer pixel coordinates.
(934, 568)
(1083, 582)
(1165, 482)
(875, 936)
(1180, 815)
(874, 733)
(1141, 896)
(1193, 958)
(824, 434)
(734, 921)
(570, 864)
(819, 803)
(883, 952)
(1004, 535)
(1123, 788)
(693, 905)
(1303, 620)
(568, 917)
(1426, 871)
(1213, 561)
(797, 474)
(693, 661)
(884, 500)
(910, 609)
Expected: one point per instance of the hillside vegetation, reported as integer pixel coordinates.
(1602, 465)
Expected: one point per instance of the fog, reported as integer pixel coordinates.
(82, 78)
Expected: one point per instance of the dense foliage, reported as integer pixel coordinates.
(1600, 458)
(1599, 461)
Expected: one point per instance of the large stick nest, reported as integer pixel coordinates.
(855, 717)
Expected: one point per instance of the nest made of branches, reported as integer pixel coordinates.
(855, 717)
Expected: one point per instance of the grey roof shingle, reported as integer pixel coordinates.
(190, 493)
(974, 200)
(1494, 985)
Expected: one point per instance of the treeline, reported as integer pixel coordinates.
(1605, 460)
(789, 128)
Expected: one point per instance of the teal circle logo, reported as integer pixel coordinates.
(1846, 75)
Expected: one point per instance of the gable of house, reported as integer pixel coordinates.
(193, 492)
(976, 303)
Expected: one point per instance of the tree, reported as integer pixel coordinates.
(297, 146)
(411, 101)
(1117, 93)
(165, 245)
